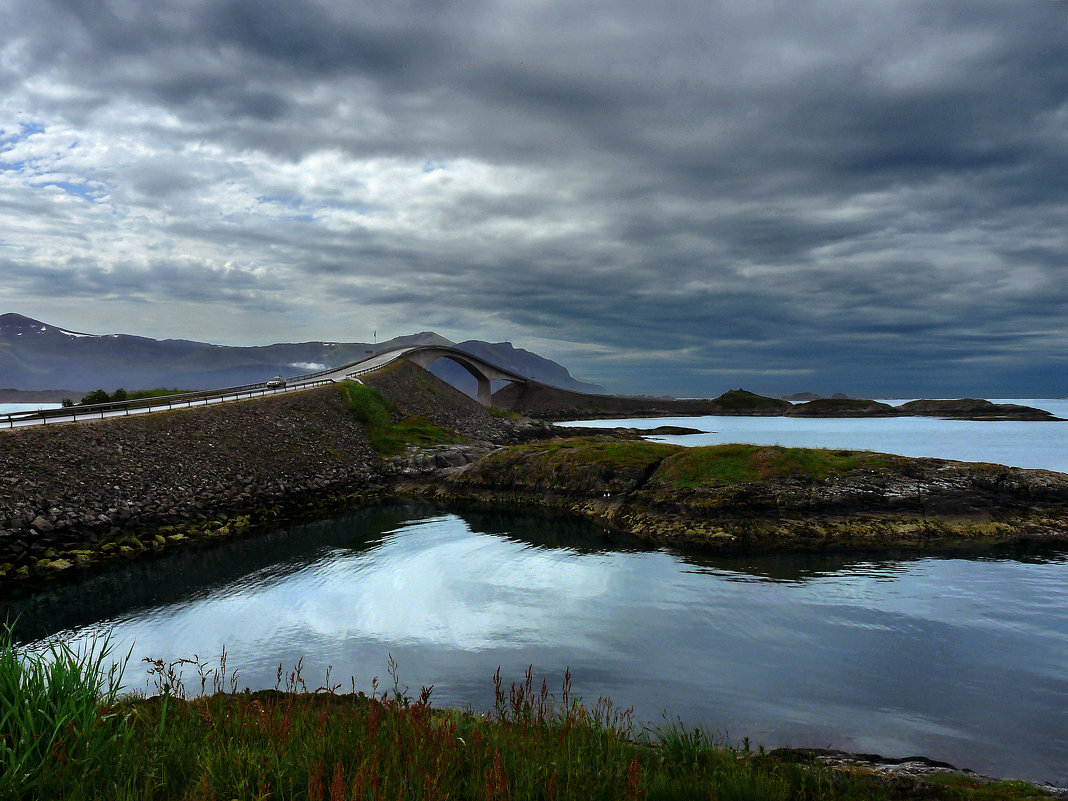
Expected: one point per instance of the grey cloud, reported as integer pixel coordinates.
(870, 193)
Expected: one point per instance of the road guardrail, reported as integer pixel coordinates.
(181, 400)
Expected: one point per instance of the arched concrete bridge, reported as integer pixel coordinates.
(424, 356)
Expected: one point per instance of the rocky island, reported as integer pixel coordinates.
(769, 496)
(552, 403)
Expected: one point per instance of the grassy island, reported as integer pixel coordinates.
(768, 495)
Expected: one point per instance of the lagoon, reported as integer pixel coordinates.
(959, 656)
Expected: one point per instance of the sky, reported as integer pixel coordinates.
(677, 197)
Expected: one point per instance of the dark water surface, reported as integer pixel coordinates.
(957, 656)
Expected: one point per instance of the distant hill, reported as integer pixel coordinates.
(811, 396)
(40, 356)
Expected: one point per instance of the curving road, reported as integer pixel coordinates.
(421, 354)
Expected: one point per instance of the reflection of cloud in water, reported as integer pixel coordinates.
(425, 583)
(428, 585)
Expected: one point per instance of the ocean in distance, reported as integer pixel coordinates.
(11, 408)
(1042, 445)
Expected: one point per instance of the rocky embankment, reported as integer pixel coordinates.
(75, 494)
(748, 495)
(149, 481)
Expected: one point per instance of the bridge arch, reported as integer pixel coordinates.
(482, 372)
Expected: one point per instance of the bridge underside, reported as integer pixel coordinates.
(483, 373)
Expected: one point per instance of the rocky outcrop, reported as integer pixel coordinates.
(416, 392)
(842, 407)
(915, 777)
(741, 401)
(974, 409)
(549, 403)
(751, 495)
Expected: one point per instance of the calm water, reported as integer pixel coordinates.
(10, 408)
(1016, 443)
(961, 658)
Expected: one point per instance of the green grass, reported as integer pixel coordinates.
(723, 465)
(158, 392)
(100, 396)
(376, 415)
(592, 451)
(688, 468)
(69, 737)
(60, 724)
(966, 787)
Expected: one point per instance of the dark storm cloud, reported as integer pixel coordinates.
(304, 35)
(870, 197)
(177, 281)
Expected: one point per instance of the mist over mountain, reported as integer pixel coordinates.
(35, 355)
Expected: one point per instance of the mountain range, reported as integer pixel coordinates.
(40, 356)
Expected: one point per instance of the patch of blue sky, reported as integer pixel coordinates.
(10, 138)
(432, 166)
(6, 144)
(289, 201)
(84, 191)
(25, 131)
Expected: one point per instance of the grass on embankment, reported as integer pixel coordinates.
(376, 414)
(723, 465)
(63, 734)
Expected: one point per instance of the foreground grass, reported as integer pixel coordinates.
(376, 415)
(60, 724)
(69, 738)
